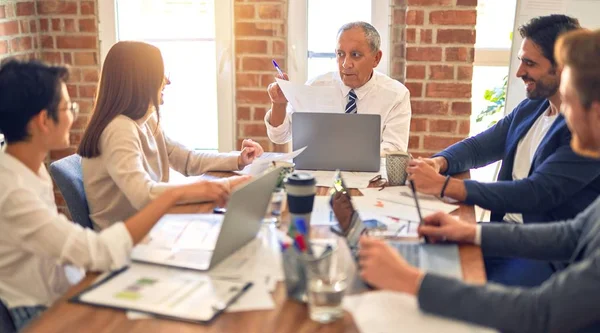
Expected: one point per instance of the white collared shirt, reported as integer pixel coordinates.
(525, 153)
(380, 95)
(37, 243)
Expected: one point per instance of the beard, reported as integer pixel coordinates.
(582, 149)
(544, 88)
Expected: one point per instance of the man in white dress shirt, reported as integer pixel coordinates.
(361, 89)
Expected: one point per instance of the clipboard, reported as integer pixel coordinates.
(164, 292)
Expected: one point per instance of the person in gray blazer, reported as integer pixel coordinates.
(568, 301)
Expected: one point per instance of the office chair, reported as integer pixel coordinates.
(6, 323)
(66, 173)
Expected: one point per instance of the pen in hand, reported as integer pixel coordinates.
(414, 191)
(278, 69)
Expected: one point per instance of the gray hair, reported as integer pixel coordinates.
(371, 33)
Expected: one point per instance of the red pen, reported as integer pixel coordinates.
(300, 242)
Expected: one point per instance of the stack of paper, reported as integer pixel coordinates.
(304, 98)
(261, 164)
(382, 312)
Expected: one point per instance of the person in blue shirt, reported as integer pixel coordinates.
(541, 178)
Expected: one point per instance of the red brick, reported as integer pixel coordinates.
(76, 42)
(415, 71)
(244, 80)
(85, 58)
(75, 138)
(414, 142)
(453, 17)
(464, 127)
(85, 106)
(253, 96)
(279, 47)
(56, 7)
(399, 50)
(44, 25)
(70, 25)
(448, 90)
(33, 26)
(441, 72)
(426, 36)
(88, 7)
(56, 25)
(270, 11)
(72, 90)
(47, 42)
(10, 10)
(258, 29)
(24, 26)
(465, 73)
(415, 88)
(411, 35)
(471, 3)
(52, 57)
(75, 75)
(254, 129)
(3, 47)
(442, 125)
(243, 113)
(429, 107)
(25, 8)
(415, 17)
(463, 54)
(87, 91)
(9, 28)
(456, 36)
(90, 75)
(461, 108)
(243, 11)
(259, 113)
(82, 120)
(87, 25)
(399, 16)
(260, 64)
(267, 79)
(251, 46)
(431, 142)
(421, 154)
(67, 58)
(424, 53)
(21, 44)
(430, 2)
(418, 125)
(2, 12)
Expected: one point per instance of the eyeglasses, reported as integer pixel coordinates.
(74, 108)
(378, 181)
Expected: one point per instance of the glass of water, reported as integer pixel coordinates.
(326, 284)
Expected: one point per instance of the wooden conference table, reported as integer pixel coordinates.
(288, 315)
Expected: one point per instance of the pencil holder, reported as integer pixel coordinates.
(294, 270)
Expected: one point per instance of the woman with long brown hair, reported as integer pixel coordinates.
(126, 155)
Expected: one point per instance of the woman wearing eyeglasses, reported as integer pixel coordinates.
(126, 154)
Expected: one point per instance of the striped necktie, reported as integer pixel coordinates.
(351, 106)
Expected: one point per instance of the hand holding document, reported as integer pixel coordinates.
(305, 98)
(261, 164)
(383, 311)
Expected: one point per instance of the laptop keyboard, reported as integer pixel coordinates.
(408, 251)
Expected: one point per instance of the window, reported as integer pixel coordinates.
(495, 22)
(195, 49)
(315, 54)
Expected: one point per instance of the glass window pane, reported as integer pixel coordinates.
(184, 31)
(323, 27)
(495, 22)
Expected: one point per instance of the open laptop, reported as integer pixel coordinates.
(349, 142)
(200, 241)
(441, 259)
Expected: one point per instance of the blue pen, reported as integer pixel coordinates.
(301, 226)
(277, 68)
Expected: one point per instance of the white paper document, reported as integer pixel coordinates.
(171, 292)
(304, 98)
(322, 213)
(403, 195)
(352, 179)
(401, 220)
(261, 164)
(383, 312)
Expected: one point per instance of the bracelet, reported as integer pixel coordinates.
(444, 187)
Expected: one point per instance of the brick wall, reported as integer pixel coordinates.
(437, 47)
(260, 36)
(18, 29)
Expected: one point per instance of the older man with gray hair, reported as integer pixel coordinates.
(361, 88)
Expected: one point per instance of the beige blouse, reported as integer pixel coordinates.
(133, 168)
